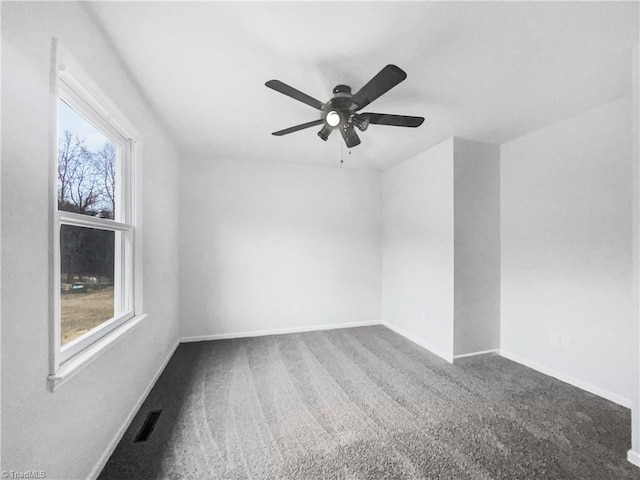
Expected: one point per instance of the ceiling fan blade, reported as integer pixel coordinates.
(285, 89)
(350, 136)
(393, 120)
(302, 126)
(385, 80)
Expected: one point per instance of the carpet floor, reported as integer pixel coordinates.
(365, 403)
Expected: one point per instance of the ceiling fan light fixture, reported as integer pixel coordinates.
(361, 122)
(333, 118)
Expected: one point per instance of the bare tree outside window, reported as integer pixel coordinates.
(106, 165)
(86, 179)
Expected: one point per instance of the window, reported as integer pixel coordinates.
(96, 286)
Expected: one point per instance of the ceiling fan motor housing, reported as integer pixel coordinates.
(342, 99)
(338, 89)
(341, 104)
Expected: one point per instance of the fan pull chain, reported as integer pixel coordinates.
(342, 154)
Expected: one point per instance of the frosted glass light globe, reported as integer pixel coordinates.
(333, 118)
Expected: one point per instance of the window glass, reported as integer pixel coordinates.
(86, 166)
(86, 279)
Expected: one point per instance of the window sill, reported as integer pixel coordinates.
(78, 362)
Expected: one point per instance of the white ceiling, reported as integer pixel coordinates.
(484, 71)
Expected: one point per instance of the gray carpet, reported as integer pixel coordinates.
(364, 403)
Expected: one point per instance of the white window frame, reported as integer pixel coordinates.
(73, 86)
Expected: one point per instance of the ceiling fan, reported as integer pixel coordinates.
(341, 111)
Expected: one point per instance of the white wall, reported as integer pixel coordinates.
(566, 249)
(477, 246)
(269, 246)
(418, 248)
(634, 455)
(66, 433)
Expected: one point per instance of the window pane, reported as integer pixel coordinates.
(86, 279)
(86, 166)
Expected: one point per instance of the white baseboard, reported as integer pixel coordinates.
(409, 336)
(114, 443)
(614, 397)
(634, 457)
(278, 331)
(473, 354)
